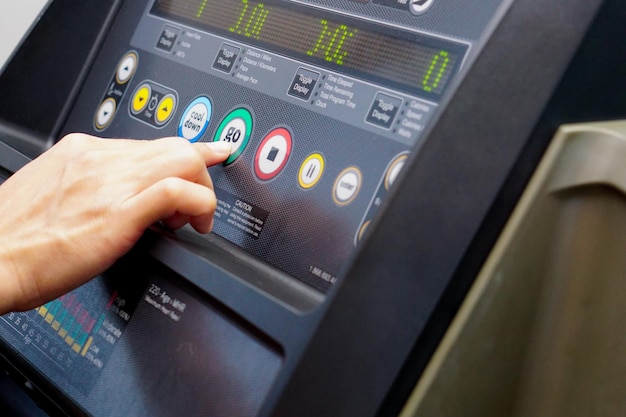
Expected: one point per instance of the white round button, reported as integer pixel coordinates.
(347, 186)
(420, 6)
(126, 68)
(104, 114)
(272, 154)
(394, 170)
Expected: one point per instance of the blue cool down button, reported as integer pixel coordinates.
(195, 119)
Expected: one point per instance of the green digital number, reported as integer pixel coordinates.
(330, 42)
(250, 24)
(201, 9)
(435, 71)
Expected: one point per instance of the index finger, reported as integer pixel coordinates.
(213, 152)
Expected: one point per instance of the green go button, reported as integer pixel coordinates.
(235, 129)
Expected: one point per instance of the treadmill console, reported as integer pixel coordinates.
(321, 102)
(330, 108)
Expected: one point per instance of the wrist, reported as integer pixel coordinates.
(9, 280)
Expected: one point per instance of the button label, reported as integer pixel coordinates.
(347, 186)
(168, 38)
(195, 119)
(236, 129)
(303, 84)
(383, 111)
(225, 60)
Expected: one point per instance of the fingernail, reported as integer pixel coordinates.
(219, 147)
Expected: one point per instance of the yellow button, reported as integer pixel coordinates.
(362, 230)
(311, 170)
(141, 98)
(165, 109)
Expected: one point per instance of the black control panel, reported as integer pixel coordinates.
(321, 107)
(369, 140)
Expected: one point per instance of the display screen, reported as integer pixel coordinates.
(405, 60)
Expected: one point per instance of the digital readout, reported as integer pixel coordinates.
(405, 60)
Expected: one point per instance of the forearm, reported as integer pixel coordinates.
(35, 267)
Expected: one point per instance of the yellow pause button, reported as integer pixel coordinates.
(141, 98)
(311, 170)
(165, 109)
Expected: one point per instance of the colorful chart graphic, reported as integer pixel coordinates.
(77, 332)
(73, 323)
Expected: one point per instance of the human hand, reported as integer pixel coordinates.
(71, 213)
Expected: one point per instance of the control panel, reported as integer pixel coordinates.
(369, 140)
(322, 105)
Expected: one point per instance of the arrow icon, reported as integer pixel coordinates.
(166, 108)
(105, 113)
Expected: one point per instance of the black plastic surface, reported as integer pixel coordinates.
(45, 73)
(378, 317)
(14, 401)
(428, 227)
(10, 159)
